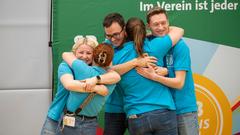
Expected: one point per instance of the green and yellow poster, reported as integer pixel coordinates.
(211, 31)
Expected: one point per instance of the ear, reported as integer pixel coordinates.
(168, 22)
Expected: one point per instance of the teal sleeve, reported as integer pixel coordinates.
(79, 67)
(161, 45)
(124, 54)
(181, 56)
(63, 68)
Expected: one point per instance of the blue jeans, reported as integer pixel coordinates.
(115, 123)
(188, 123)
(83, 126)
(50, 127)
(157, 122)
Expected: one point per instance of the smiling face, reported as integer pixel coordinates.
(159, 24)
(114, 28)
(115, 33)
(85, 53)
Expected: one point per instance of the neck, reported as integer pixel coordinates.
(121, 46)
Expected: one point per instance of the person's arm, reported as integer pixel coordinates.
(163, 44)
(137, 62)
(177, 82)
(69, 57)
(111, 77)
(101, 90)
(175, 33)
(78, 66)
(77, 86)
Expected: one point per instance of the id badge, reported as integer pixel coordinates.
(69, 121)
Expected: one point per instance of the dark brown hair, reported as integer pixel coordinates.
(136, 31)
(154, 11)
(113, 17)
(103, 55)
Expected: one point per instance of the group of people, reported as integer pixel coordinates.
(144, 80)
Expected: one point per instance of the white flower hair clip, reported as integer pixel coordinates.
(77, 38)
(88, 37)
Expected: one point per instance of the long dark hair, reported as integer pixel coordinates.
(136, 32)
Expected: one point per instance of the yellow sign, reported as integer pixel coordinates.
(214, 110)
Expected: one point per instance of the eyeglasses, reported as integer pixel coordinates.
(114, 35)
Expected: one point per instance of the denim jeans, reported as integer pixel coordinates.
(49, 127)
(188, 124)
(115, 123)
(157, 122)
(83, 126)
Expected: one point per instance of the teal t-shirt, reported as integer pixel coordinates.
(114, 103)
(140, 94)
(178, 59)
(60, 99)
(83, 71)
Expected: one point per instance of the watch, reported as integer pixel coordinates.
(98, 79)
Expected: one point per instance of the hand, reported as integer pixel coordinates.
(148, 72)
(84, 85)
(145, 61)
(162, 71)
(90, 84)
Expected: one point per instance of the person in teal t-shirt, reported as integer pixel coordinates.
(55, 111)
(149, 105)
(86, 119)
(180, 78)
(115, 118)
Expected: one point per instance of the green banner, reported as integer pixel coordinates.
(215, 21)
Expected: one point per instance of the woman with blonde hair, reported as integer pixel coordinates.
(82, 49)
(85, 121)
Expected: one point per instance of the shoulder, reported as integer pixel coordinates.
(99, 70)
(78, 62)
(63, 65)
(63, 68)
(151, 37)
(181, 49)
(127, 46)
(181, 44)
(164, 39)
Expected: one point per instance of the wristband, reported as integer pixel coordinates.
(98, 79)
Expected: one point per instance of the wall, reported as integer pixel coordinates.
(25, 71)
